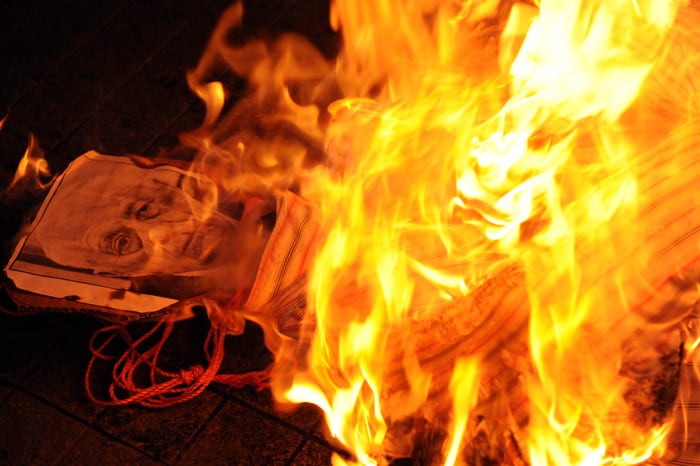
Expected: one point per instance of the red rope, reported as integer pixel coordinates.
(162, 388)
(165, 388)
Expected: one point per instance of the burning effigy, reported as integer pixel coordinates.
(470, 237)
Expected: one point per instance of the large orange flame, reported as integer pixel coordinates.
(496, 216)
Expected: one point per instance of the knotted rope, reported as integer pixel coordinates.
(163, 388)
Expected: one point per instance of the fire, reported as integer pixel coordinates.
(490, 216)
(464, 395)
(33, 172)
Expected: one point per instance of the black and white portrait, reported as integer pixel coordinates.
(108, 222)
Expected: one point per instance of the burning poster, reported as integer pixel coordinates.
(502, 262)
(120, 235)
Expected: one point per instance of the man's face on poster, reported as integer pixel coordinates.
(137, 222)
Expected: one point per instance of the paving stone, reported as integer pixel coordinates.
(183, 349)
(147, 25)
(313, 454)
(24, 7)
(25, 340)
(11, 150)
(190, 119)
(309, 18)
(168, 146)
(97, 69)
(34, 433)
(246, 352)
(110, 132)
(193, 117)
(243, 353)
(49, 113)
(12, 220)
(160, 433)
(110, 75)
(264, 17)
(157, 94)
(19, 202)
(59, 378)
(186, 48)
(305, 416)
(13, 86)
(5, 390)
(97, 448)
(101, 376)
(322, 435)
(10, 20)
(241, 436)
(100, 66)
(185, 346)
(50, 35)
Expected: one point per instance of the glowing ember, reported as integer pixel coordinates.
(496, 209)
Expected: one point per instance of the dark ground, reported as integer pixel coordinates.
(110, 75)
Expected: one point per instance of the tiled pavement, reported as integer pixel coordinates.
(110, 75)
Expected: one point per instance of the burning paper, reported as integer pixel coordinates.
(115, 234)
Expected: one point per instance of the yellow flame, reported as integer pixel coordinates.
(33, 168)
(464, 394)
(471, 144)
(528, 166)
